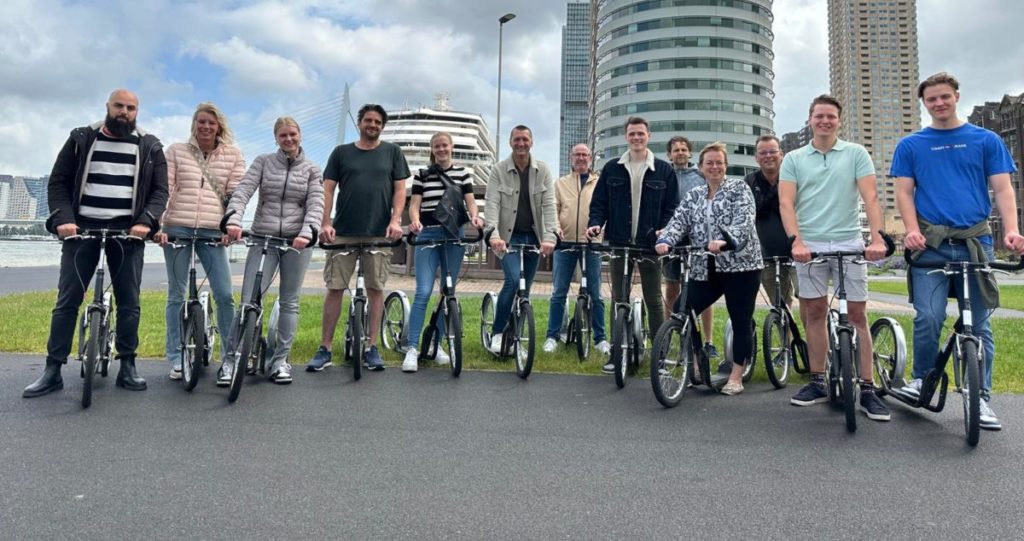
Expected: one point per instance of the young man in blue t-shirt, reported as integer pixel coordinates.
(943, 175)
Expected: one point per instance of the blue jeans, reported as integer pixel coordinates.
(930, 297)
(510, 265)
(218, 273)
(561, 275)
(428, 261)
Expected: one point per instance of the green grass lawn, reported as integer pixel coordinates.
(25, 326)
(1009, 296)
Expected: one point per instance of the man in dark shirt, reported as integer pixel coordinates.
(764, 184)
(369, 176)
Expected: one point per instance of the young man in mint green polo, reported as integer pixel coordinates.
(818, 188)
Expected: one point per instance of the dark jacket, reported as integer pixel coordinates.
(768, 219)
(612, 203)
(68, 176)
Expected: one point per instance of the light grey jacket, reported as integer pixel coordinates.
(291, 201)
(502, 200)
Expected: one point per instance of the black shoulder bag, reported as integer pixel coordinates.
(451, 210)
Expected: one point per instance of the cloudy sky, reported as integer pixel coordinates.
(259, 60)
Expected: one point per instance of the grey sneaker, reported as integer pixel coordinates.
(810, 394)
(872, 406)
(912, 388)
(227, 369)
(320, 360)
(281, 374)
(988, 420)
(176, 372)
(373, 362)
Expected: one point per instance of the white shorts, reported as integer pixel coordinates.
(813, 278)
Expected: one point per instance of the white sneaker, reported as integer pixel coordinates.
(912, 389)
(549, 345)
(496, 344)
(282, 374)
(176, 372)
(410, 364)
(441, 357)
(988, 419)
(604, 347)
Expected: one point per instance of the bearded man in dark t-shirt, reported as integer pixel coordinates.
(369, 178)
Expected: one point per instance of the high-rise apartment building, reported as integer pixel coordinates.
(697, 68)
(873, 72)
(576, 77)
(1005, 118)
(795, 139)
(16, 203)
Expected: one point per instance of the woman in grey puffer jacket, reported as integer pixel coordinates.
(291, 204)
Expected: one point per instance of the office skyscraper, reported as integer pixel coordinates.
(701, 69)
(576, 76)
(873, 72)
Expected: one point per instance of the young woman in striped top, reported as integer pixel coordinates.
(427, 188)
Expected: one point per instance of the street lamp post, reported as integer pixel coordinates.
(497, 123)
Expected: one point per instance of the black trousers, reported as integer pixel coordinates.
(77, 266)
(740, 290)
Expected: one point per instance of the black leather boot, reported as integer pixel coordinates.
(48, 382)
(127, 377)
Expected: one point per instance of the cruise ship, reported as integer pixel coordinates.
(411, 129)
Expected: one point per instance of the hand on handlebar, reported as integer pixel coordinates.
(234, 233)
(160, 238)
(498, 245)
(327, 233)
(594, 232)
(914, 241)
(139, 230)
(875, 251)
(477, 222)
(1015, 242)
(716, 246)
(800, 252)
(415, 227)
(66, 230)
(394, 231)
(300, 242)
(662, 248)
(547, 248)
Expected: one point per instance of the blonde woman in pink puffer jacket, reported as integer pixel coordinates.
(201, 176)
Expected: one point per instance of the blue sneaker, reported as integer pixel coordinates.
(321, 360)
(372, 361)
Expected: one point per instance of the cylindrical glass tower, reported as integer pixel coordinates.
(697, 68)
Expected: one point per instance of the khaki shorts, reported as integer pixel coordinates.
(340, 267)
(812, 279)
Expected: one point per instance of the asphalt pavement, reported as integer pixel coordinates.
(487, 456)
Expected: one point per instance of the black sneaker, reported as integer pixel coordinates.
(872, 406)
(710, 350)
(811, 394)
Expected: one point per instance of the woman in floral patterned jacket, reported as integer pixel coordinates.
(721, 209)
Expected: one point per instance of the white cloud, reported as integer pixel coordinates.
(59, 59)
(254, 70)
